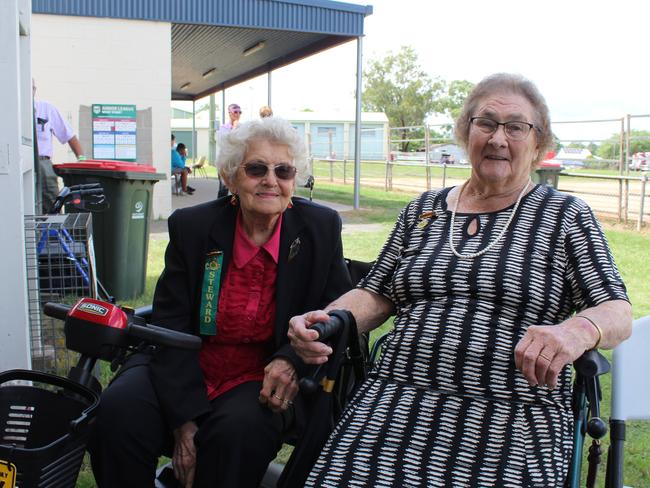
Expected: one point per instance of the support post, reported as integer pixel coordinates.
(357, 126)
(194, 148)
(212, 134)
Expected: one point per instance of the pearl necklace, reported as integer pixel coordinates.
(498, 238)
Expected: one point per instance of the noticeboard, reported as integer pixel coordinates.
(114, 131)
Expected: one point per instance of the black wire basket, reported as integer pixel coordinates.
(44, 426)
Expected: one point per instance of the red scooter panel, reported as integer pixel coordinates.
(99, 312)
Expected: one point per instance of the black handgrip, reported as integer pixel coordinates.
(56, 310)
(85, 186)
(591, 363)
(89, 191)
(164, 337)
(327, 329)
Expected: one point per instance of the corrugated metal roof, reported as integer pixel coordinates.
(319, 16)
(209, 34)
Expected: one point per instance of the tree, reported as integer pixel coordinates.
(611, 148)
(452, 103)
(397, 86)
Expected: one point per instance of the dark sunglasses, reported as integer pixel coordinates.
(235, 111)
(259, 170)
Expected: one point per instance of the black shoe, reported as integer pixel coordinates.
(190, 189)
(190, 192)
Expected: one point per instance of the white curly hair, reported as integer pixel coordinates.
(234, 144)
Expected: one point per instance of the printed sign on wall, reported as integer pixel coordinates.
(114, 132)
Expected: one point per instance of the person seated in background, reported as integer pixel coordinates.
(179, 156)
(266, 111)
(236, 269)
(497, 286)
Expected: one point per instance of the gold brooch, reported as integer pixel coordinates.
(426, 218)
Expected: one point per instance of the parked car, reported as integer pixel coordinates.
(640, 161)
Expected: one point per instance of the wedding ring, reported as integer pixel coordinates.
(544, 357)
(279, 398)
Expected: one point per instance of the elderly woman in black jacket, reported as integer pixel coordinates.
(236, 269)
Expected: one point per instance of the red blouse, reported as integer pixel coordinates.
(245, 315)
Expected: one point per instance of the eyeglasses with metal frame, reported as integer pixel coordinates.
(257, 169)
(514, 129)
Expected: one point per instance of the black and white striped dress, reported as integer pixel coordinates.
(445, 405)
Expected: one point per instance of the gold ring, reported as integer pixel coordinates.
(548, 359)
(286, 403)
(279, 398)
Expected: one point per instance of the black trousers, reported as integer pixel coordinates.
(49, 185)
(235, 443)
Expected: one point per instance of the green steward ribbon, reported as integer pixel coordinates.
(210, 292)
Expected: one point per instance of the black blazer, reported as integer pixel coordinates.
(314, 276)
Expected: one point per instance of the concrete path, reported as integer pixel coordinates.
(206, 190)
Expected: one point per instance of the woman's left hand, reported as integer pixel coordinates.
(280, 386)
(545, 349)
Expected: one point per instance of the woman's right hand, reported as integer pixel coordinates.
(184, 458)
(304, 340)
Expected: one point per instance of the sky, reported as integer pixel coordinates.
(590, 59)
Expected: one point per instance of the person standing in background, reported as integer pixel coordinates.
(266, 111)
(48, 121)
(234, 113)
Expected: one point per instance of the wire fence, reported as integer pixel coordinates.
(421, 158)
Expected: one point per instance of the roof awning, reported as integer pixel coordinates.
(219, 43)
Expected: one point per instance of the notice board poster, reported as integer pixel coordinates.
(114, 132)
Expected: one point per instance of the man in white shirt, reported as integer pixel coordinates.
(48, 121)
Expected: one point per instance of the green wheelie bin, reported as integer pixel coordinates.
(120, 233)
(548, 171)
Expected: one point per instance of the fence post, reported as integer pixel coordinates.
(427, 159)
(639, 224)
(386, 174)
(331, 169)
(444, 175)
(345, 182)
(389, 175)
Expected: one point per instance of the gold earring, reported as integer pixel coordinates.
(234, 200)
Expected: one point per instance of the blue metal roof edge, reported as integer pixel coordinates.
(331, 4)
(323, 16)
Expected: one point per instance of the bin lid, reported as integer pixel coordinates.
(550, 164)
(109, 169)
(107, 165)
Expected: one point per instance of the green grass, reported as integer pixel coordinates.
(381, 209)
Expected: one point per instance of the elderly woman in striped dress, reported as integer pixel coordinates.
(497, 286)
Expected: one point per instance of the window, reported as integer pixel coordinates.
(325, 130)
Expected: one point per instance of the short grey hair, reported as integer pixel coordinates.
(508, 83)
(234, 144)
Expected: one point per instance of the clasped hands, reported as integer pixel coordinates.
(279, 388)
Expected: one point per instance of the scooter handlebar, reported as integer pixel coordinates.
(56, 310)
(164, 337)
(150, 333)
